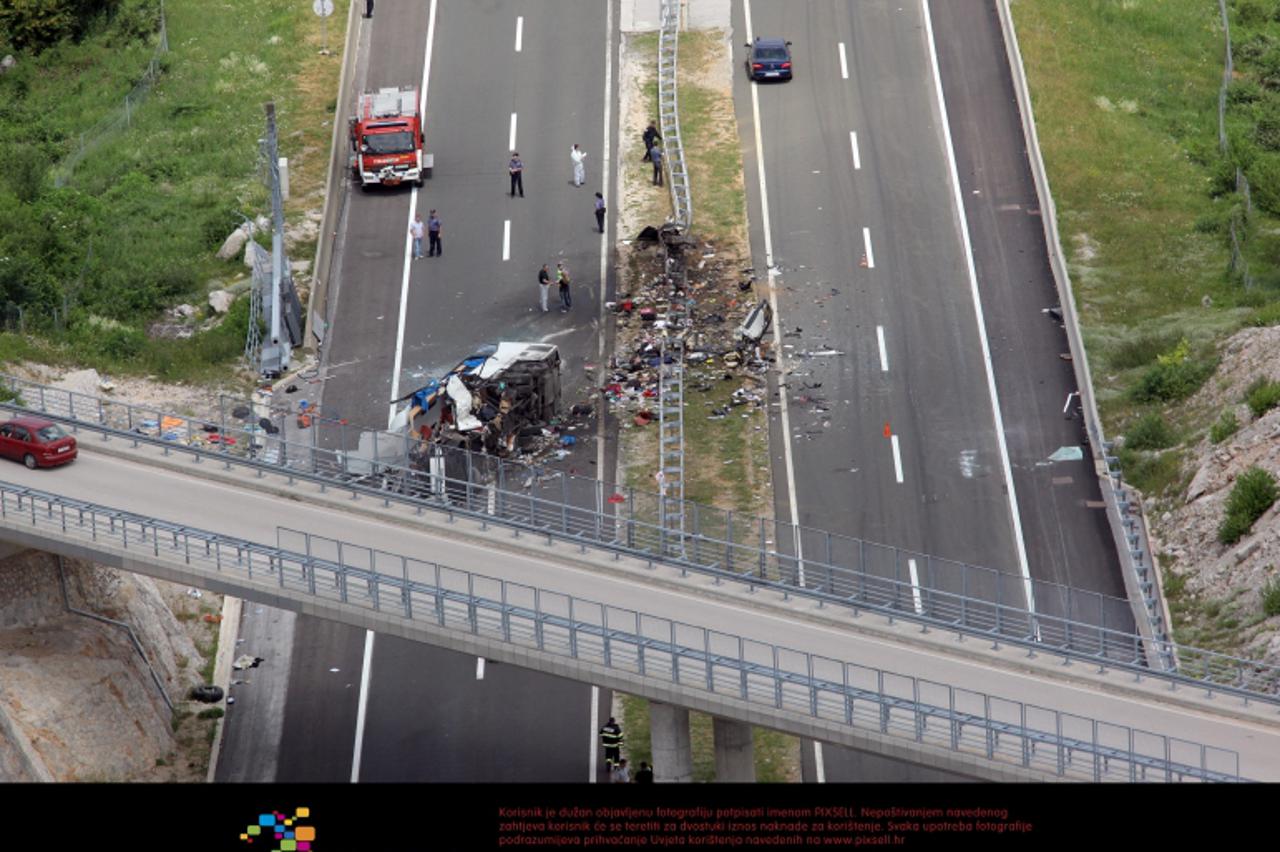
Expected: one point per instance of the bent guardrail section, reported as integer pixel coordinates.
(757, 679)
(838, 570)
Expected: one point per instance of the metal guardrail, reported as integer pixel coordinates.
(669, 115)
(756, 673)
(1123, 504)
(838, 571)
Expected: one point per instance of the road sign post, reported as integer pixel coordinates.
(323, 9)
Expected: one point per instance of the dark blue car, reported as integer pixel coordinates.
(769, 59)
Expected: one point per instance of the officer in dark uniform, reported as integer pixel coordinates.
(611, 740)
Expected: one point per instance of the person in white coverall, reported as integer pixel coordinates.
(579, 170)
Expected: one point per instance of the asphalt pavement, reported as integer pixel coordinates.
(496, 70)
(883, 320)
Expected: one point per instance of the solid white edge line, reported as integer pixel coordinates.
(511, 136)
(773, 303)
(592, 766)
(519, 32)
(844, 63)
(853, 143)
(506, 239)
(866, 244)
(897, 459)
(413, 206)
(604, 238)
(982, 325)
(915, 585)
(592, 751)
(884, 353)
(777, 342)
(362, 707)
(479, 668)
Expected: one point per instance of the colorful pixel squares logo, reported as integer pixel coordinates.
(281, 833)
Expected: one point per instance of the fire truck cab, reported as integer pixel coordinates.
(387, 139)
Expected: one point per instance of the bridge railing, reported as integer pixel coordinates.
(640, 644)
(837, 570)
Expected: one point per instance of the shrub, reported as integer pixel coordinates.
(1271, 598)
(1252, 13)
(211, 713)
(1262, 396)
(1150, 432)
(1142, 350)
(1226, 426)
(1264, 180)
(1254, 492)
(1175, 376)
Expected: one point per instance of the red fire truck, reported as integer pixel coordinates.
(387, 138)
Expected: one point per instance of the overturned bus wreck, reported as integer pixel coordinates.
(495, 401)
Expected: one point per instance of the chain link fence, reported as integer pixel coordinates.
(1240, 216)
(120, 118)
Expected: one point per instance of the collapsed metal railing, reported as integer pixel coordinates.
(344, 576)
(838, 570)
(669, 115)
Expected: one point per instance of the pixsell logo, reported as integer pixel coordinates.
(276, 832)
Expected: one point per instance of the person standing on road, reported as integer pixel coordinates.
(579, 170)
(368, 8)
(562, 278)
(650, 134)
(434, 244)
(621, 773)
(655, 155)
(544, 285)
(611, 740)
(415, 229)
(645, 775)
(600, 211)
(516, 168)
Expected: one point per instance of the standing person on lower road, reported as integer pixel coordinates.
(516, 168)
(650, 134)
(611, 740)
(645, 775)
(416, 229)
(434, 245)
(600, 211)
(368, 8)
(621, 773)
(655, 154)
(544, 285)
(562, 278)
(579, 170)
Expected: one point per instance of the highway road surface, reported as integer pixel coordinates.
(889, 189)
(495, 77)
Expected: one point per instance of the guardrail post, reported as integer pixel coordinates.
(675, 657)
(955, 719)
(639, 644)
(506, 621)
(848, 696)
(921, 721)
(573, 632)
(406, 591)
(742, 667)
(1061, 748)
(813, 687)
(439, 595)
(537, 619)
(991, 731)
(1027, 746)
(884, 705)
(604, 634)
(472, 615)
(706, 651)
(777, 680)
(763, 575)
(728, 543)
(564, 504)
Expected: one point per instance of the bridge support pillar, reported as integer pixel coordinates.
(735, 753)
(669, 738)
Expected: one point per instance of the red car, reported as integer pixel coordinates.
(37, 442)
